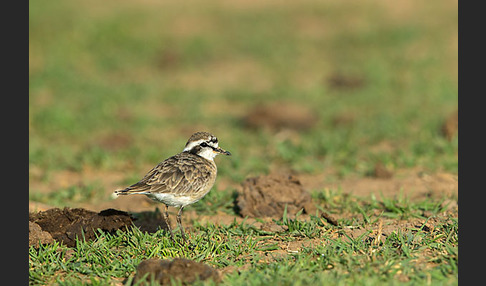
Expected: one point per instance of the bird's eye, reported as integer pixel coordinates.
(204, 144)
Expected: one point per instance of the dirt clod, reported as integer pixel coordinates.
(450, 126)
(267, 196)
(64, 225)
(330, 218)
(273, 227)
(184, 270)
(37, 236)
(345, 81)
(280, 116)
(382, 172)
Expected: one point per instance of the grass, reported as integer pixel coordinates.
(117, 87)
(103, 76)
(73, 194)
(416, 255)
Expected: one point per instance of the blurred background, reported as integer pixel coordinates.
(313, 87)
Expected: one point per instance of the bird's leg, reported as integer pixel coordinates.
(180, 223)
(166, 218)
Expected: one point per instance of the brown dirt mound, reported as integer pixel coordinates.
(267, 196)
(184, 270)
(64, 225)
(450, 126)
(345, 81)
(278, 116)
(381, 171)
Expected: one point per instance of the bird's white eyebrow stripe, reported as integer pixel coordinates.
(195, 143)
(192, 144)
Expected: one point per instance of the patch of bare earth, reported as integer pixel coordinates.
(46, 182)
(413, 184)
(267, 196)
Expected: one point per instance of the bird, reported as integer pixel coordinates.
(182, 179)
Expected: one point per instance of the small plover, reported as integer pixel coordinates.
(182, 179)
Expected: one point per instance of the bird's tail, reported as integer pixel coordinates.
(134, 189)
(123, 192)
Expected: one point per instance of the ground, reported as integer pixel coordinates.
(275, 194)
(342, 121)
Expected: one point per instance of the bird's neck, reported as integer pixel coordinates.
(207, 154)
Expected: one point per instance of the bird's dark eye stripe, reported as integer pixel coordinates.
(205, 144)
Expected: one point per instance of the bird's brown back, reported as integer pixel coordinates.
(184, 174)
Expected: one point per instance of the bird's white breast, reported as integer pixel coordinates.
(171, 200)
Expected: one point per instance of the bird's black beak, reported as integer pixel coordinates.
(221, 151)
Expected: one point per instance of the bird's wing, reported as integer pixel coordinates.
(178, 174)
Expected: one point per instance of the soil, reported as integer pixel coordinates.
(280, 116)
(269, 196)
(260, 200)
(381, 171)
(412, 184)
(255, 195)
(450, 126)
(344, 81)
(64, 225)
(37, 236)
(184, 270)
